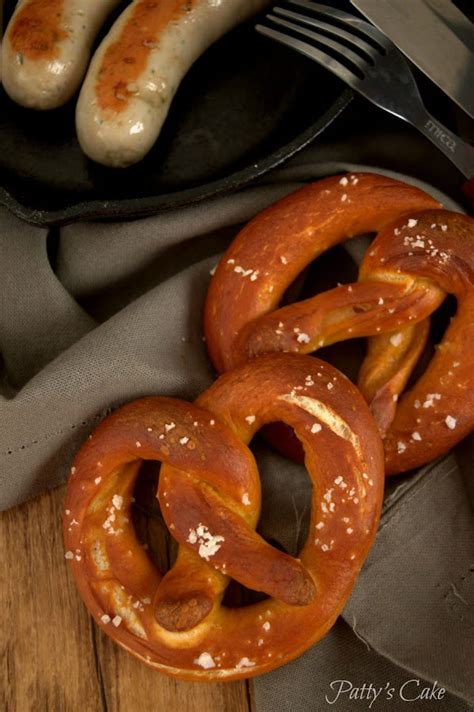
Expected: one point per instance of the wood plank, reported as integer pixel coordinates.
(130, 686)
(46, 633)
(55, 658)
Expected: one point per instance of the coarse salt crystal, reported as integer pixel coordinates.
(245, 662)
(430, 399)
(316, 428)
(412, 222)
(205, 660)
(250, 419)
(450, 422)
(209, 544)
(396, 339)
(105, 618)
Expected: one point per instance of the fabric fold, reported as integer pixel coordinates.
(432, 581)
(38, 318)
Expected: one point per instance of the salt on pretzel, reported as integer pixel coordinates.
(209, 493)
(415, 260)
(435, 250)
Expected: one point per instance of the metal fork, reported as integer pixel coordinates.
(369, 62)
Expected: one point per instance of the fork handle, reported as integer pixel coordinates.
(458, 151)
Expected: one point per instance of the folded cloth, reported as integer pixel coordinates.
(107, 312)
(342, 673)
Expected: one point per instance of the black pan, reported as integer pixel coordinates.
(245, 106)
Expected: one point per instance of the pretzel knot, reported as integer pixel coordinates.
(209, 493)
(420, 254)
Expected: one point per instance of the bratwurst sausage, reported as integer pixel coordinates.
(138, 67)
(46, 49)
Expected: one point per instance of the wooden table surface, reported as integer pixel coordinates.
(54, 657)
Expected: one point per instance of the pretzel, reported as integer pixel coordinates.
(414, 261)
(209, 493)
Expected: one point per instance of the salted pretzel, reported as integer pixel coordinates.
(209, 493)
(415, 260)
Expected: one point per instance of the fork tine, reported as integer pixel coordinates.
(368, 49)
(330, 12)
(354, 58)
(309, 51)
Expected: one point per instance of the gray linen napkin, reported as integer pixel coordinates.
(113, 312)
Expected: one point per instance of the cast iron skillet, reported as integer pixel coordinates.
(245, 106)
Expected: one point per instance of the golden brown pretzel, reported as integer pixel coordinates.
(209, 492)
(415, 260)
(436, 251)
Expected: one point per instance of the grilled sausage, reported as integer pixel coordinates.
(46, 49)
(136, 70)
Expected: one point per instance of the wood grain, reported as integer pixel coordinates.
(54, 658)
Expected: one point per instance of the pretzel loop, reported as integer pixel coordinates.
(209, 493)
(415, 260)
(435, 248)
